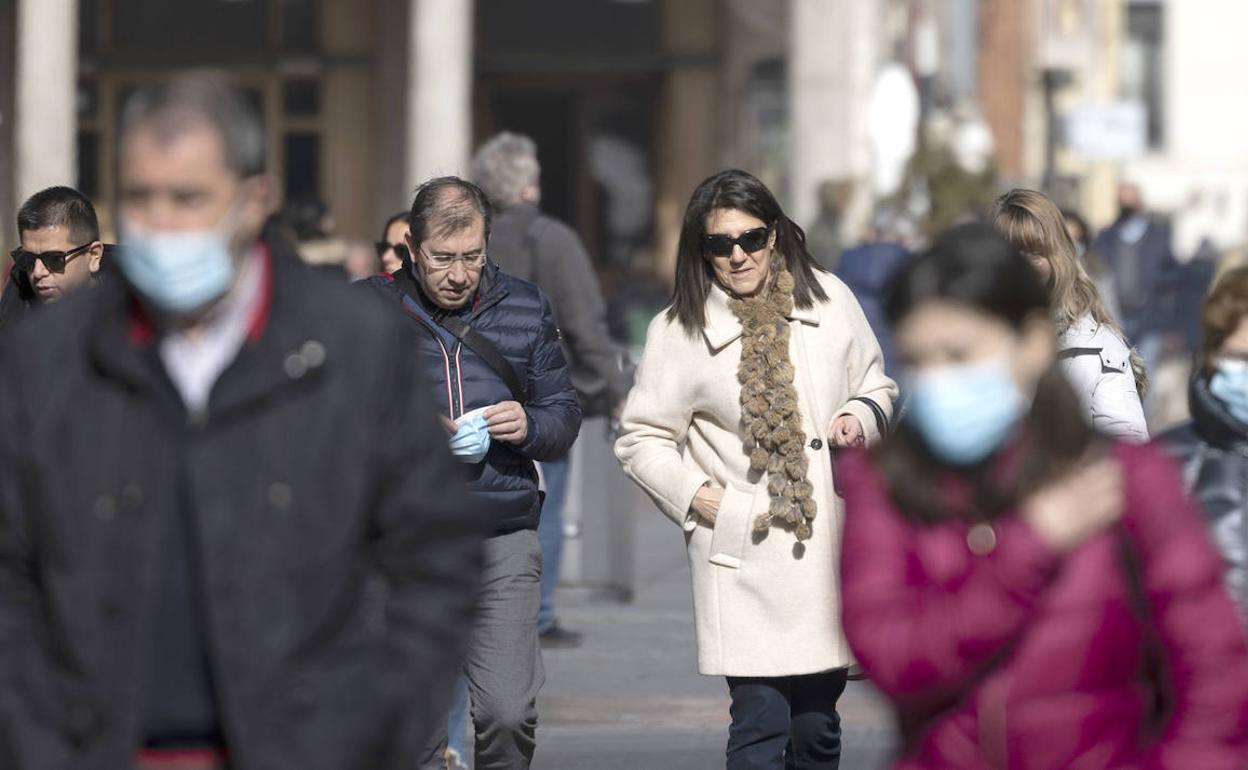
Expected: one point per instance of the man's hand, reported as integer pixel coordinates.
(846, 431)
(448, 425)
(508, 422)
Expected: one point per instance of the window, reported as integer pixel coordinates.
(1142, 65)
(301, 155)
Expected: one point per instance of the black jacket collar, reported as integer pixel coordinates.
(1212, 420)
(287, 350)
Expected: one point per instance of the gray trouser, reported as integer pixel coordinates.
(504, 661)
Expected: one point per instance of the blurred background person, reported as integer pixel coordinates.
(869, 268)
(362, 261)
(392, 248)
(309, 219)
(1138, 260)
(1106, 374)
(538, 248)
(823, 238)
(729, 429)
(1027, 593)
(1212, 448)
(216, 586)
(60, 251)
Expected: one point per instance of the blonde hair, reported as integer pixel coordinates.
(1036, 227)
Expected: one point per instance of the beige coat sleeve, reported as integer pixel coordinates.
(656, 420)
(864, 369)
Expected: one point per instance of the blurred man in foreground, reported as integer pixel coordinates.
(249, 568)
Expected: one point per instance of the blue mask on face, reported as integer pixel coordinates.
(472, 441)
(177, 271)
(1229, 384)
(964, 413)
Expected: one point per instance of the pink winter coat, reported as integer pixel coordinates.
(1028, 660)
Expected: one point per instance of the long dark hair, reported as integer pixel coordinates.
(974, 266)
(740, 190)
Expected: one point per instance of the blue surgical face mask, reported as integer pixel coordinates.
(965, 412)
(1229, 384)
(472, 441)
(178, 271)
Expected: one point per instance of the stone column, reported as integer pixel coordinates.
(45, 132)
(832, 64)
(439, 88)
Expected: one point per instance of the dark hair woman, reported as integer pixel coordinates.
(1007, 574)
(1213, 446)
(761, 365)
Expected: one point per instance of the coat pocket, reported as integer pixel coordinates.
(732, 527)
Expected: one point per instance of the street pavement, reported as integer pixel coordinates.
(631, 698)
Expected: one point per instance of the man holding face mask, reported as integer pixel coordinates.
(249, 568)
(490, 349)
(60, 250)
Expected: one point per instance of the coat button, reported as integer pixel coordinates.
(281, 495)
(295, 366)
(816, 444)
(105, 508)
(312, 353)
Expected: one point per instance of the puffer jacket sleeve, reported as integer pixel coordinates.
(924, 641)
(1194, 619)
(553, 410)
(656, 421)
(864, 369)
(1100, 373)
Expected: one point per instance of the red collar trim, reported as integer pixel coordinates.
(143, 327)
(260, 316)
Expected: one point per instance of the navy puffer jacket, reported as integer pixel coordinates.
(516, 317)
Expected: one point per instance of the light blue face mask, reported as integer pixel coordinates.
(965, 412)
(1229, 384)
(472, 441)
(177, 271)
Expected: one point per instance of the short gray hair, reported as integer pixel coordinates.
(198, 99)
(504, 166)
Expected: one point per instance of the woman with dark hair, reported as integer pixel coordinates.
(392, 248)
(760, 367)
(1213, 447)
(1027, 593)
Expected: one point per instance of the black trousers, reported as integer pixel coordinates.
(786, 723)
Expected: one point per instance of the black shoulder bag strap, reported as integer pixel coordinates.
(1154, 672)
(468, 336)
(881, 422)
(484, 348)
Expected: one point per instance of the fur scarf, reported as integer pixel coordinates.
(772, 423)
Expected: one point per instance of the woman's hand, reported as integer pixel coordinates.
(705, 503)
(1078, 505)
(846, 431)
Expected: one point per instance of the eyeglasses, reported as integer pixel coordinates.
(720, 245)
(54, 261)
(445, 261)
(400, 249)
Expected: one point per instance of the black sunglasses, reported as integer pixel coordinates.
(54, 261)
(750, 241)
(400, 249)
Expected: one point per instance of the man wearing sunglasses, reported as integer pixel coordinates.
(60, 250)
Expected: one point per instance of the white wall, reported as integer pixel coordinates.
(1201, 175)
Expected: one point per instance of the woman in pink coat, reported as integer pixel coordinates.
(1029, 595)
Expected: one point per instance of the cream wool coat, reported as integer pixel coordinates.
(763, 606)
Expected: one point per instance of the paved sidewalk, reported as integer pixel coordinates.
(631, 698)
